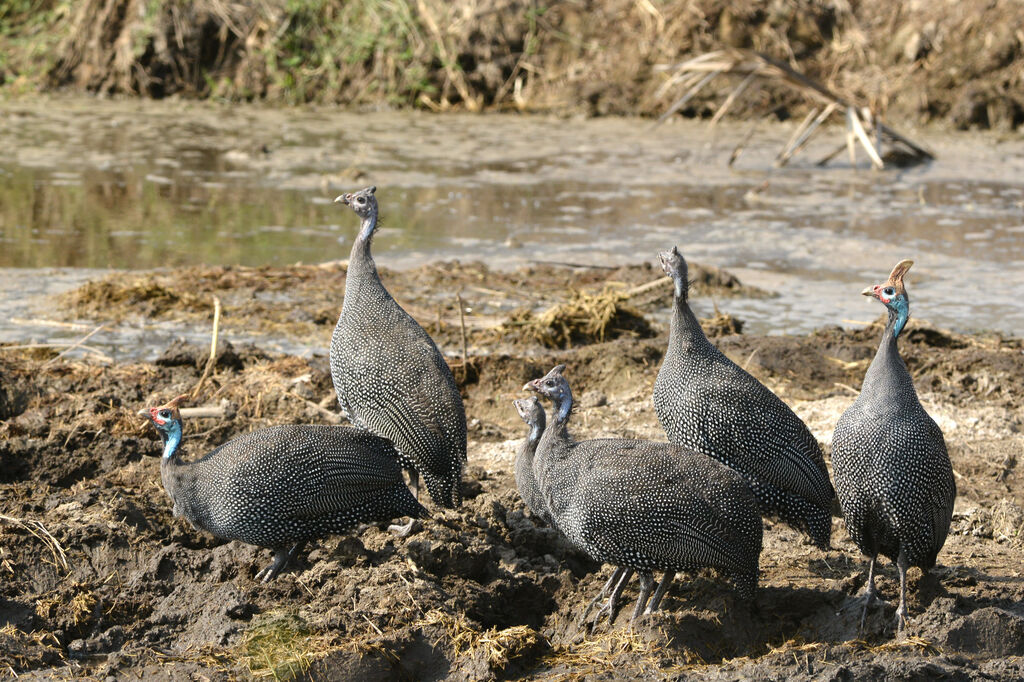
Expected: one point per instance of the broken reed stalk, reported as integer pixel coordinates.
(36, 528)
(208, 412)
(212, 360)
(73, 346)
(698, 72)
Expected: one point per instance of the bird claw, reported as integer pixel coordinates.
(901, 619)
(404, 531)
(607, 608)
(866, 598)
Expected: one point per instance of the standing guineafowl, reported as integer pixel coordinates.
(531, 412)
(707, 402)
(283, 486)
(389, 375)
(893, 475)
(643, 505)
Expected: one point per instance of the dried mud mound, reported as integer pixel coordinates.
(98, 578)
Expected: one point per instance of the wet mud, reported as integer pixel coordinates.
(99, 579)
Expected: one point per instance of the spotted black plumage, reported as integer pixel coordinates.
(893, 475)
(389, 375)
(283, 486)
(531, 412)
(707, 402)
(643, 505)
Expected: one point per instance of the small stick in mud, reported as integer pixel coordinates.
(462, 325)
(73, 346)
(213, 349)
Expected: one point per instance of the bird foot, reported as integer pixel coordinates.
(404, 531)
(267, 574)
(609, 608)
(867, 597)
(901, 618)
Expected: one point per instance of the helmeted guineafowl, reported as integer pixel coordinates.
(643, 505)
(706, 402)
(389, 375)
(531, 412)
(893, 475)
(283, 486)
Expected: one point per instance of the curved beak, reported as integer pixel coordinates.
(868, 291)
(144, 412)
(343, 199)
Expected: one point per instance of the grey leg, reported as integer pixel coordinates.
(281, 558)
(414, 483)
(659, 594)
(646, 585)
(902, 612)
(870, 591)
(611, 606)
(612, 581)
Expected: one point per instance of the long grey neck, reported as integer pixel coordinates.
(178, 478)
(685, 332)
(888, 378)
(553, 446)
(361, 259)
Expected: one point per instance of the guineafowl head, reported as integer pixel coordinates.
(531, 412)
(555, 388)
(893, 294)
(674, 265)
(529, 409)
(363, 202)
(167, 420)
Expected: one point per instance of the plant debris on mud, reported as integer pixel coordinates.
(98, 578)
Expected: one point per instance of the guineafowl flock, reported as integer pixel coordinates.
(735, 452)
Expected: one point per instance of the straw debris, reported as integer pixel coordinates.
(583, 319)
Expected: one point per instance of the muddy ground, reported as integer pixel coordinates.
(97, 578)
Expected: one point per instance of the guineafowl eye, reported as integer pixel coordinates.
(888, 291)
(165, 414)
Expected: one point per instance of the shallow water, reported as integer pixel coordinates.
(88, 185)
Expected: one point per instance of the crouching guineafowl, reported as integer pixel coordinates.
(644, 506)
(893, 475)
(283, 486)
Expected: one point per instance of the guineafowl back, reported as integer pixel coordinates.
(649, 506)
(286, 484)
(393, 381)
(892, 470)
(706, 402)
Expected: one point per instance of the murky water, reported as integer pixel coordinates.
(92, 185)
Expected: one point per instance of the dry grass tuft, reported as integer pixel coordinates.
(277, 645)
(498, 647)
(583, 319)
(144, 295)
(36, 528)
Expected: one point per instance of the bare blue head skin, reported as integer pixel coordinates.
(167, 420)
(364, 204)
(894, 297)
(674, 265)
(555, 388)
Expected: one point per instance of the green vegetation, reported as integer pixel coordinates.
(931, 60)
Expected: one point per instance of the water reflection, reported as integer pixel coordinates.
(112, 185)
